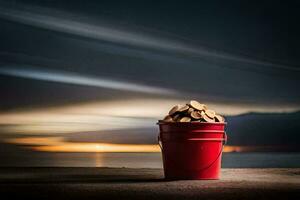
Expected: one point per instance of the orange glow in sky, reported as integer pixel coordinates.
(57, 144)
(97, 147)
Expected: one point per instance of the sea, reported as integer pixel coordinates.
(147, 160)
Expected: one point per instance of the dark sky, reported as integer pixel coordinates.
(245, 51)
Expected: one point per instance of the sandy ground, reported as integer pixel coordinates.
(123, 183)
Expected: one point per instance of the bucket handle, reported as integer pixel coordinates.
(224, 143)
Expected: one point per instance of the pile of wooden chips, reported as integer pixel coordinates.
(192, 112)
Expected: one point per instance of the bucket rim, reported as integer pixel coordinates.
(162, 122)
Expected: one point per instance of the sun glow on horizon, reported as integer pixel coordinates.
(57, 144)
(98, 148)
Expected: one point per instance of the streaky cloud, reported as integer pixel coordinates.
(47, 19)
(78, 79)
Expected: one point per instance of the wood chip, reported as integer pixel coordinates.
(190, 110)
(196, 115)
(174, 110)
(207, 119)
(185, 119)
(210, 113)
(183, 108)
(198, 106)
(219, 118)
(168, 118)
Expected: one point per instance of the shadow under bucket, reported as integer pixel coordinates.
(191, 150)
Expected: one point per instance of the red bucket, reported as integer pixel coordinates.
(191, 150)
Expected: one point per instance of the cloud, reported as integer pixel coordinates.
(44, 18)
(77, 79)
